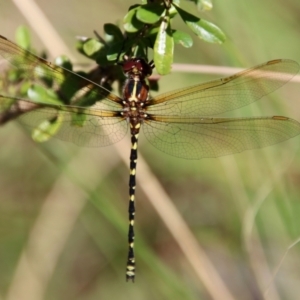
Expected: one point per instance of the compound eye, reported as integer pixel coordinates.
(144, 67)
(137, 66)
(128, 65)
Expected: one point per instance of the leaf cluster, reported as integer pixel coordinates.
(148, 26)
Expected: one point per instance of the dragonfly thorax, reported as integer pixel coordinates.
(135, 96)
(135, 90)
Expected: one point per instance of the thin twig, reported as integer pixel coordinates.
(215, 70)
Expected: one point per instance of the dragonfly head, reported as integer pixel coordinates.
(137, 67)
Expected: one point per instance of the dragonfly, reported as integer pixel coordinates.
(183, 123)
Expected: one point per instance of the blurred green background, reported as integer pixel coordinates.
(63, 209)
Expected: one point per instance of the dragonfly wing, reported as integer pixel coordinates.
(225, 94)
(91, 127)
(212, 137)
(69, 86)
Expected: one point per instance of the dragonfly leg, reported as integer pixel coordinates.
(130, 268)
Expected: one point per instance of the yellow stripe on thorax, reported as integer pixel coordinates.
(133, 94)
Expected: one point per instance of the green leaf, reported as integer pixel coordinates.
(24, 87)
(91, 47)
(115, 51)
(39, 94)
(150, 13)
(176, 2)
(151, 36)
(172, 12)
(131, 23)
(47, 129)
(113, 32)
(14, 75)
(64, 61)
(164, 48)
(205, 30)
(182, 38)
(203, 4)
(23, 37)
(79, 119)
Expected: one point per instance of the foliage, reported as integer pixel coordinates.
(149, 26)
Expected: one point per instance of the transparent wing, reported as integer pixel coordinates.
(212, 137)
(91, 127)
(225, 94)
(69, 86)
